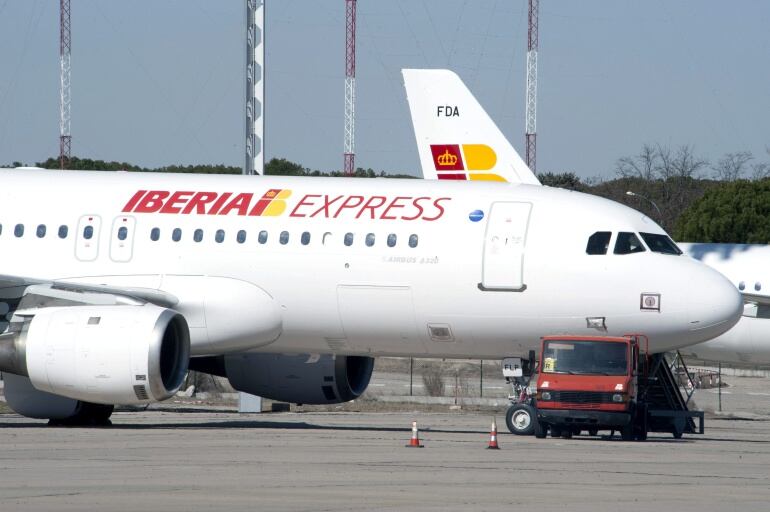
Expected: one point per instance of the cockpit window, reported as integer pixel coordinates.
(628, 243)
(599, 242)
(661, 244)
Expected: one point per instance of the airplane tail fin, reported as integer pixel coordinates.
(456, 138)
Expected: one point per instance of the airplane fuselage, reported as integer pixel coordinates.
(357, 266)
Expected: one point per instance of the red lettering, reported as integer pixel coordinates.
(437, 204)
(240, 202)
(199, 202)
(219, 203)
(325, 207)
(393, 204)
(371, 207)
(151, 202)
(302, 202)
(176, 198)
(348, 203)
(420, 209)
(132, 202)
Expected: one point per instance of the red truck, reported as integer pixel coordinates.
(595, 383)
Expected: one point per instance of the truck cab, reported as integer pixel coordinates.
(587, 383)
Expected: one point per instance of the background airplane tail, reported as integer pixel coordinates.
(456, 138)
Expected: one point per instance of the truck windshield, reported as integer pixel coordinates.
(585, 357)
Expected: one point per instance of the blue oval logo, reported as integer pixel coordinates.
(476, 215)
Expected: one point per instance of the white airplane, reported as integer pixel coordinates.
(111, 282)
(448, 119)
(748, 268)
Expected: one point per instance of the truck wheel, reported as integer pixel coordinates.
(566, 433)
(593, 431)
(627, 432)
(541, 429)
(555, 431)
(520, 419)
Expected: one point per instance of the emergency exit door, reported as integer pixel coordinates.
(504, 244)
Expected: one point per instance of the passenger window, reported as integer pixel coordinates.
(220, 236)
(1, 229)
(41, 231)
(628, 243)
(18, 231)
(305, 239)
(284, 238)
(155, 234)
(660, 243)
(369, 239)
(241, 236)
(348, 239)
(122, 233)
(176, 235)
(63, 231)
(88, 232)
(326, 240)
(392, 240)
(598, 243)
(198, 235)
(413, 241)
(262, 237)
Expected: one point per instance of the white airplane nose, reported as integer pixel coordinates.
(714, 306)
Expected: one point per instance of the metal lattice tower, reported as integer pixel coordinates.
(350, 86)
(531, 129)
(255, 87)
(65, 98)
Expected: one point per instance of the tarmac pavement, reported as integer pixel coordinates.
(213, 460)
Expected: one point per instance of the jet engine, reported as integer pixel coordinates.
(300, 379)
(97, 354)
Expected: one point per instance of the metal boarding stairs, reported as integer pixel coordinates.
(667, 399)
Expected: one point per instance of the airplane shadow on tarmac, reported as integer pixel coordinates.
(302, 425)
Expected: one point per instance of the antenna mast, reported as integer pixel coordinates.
(350, 86)
(255, 87)
(531, 129)
(65, 46)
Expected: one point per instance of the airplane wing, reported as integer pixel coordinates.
(17, 286)
(456, 138)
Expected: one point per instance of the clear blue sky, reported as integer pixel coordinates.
(160, 82)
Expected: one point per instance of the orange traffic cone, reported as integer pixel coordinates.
(414, 442)
(493, 437)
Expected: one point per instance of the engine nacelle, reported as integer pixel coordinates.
(300, 379)
(100, 354)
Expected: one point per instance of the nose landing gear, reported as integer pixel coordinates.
(520, 418)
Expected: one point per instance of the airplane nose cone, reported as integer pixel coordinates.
(715, 305)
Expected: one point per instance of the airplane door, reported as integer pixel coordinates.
(504, 243)
(122, 239)
(87, 245)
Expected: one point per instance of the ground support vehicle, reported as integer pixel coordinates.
(608, 383)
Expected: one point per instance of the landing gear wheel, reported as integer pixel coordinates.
(541, 429)
(520, 419)
(86, 415)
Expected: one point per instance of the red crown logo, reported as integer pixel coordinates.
(447, 159)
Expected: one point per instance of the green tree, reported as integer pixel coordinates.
(733, 212)
(283, 167)
(568, 180)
